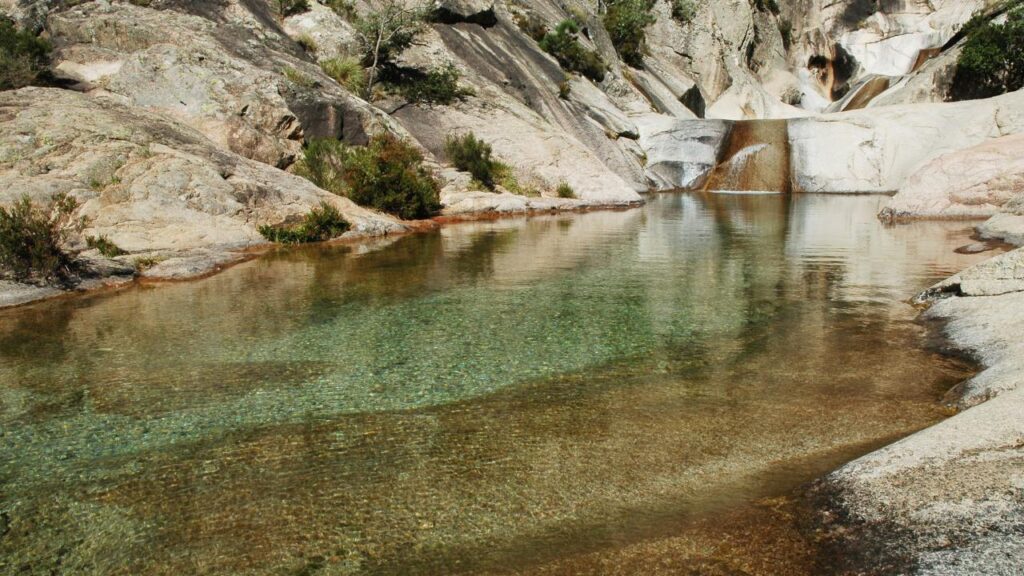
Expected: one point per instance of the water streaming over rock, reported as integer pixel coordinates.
(756, 159)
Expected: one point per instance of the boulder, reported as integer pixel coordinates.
(971, 183)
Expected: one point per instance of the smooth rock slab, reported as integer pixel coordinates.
(971, 183)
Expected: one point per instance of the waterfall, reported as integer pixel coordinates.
(755, 160)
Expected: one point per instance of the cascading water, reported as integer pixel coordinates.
(755, 160)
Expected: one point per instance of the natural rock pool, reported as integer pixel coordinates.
(629, 391)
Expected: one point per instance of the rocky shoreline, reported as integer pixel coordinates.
(948, 499)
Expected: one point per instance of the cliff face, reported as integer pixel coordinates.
(250, 82)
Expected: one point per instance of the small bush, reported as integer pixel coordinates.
(23, 57)
(438, 86)
(322, 223)
(388, 175)
(684, 11)
(298, 78)
(105, 246)
(344, 8)
(308, 43)
(286, 8)
(992, 60)
(564, 89)
(627, 22)
(531, 25)
(564, 190)
(31, 240)
(346, 71)
(565, 46)
(469, 154)
(323, 164)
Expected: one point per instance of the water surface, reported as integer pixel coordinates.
(558, 394)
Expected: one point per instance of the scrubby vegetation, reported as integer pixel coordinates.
(386, 32)
(345, 71)
(563, 43)
(992, 60)
(23, 56)
(286, 8)
(298, 78)
(437, 86)
(470, 154)
(388, 175)
(32, 239)
(308, 43)
(105, 246)
(322, 223)
(564, 190)
(627, 22)
(684, 11)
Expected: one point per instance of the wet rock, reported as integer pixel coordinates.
(999, 275)
(681, 153)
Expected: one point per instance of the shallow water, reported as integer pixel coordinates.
(566, 393)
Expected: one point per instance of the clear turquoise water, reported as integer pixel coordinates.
(492, 396)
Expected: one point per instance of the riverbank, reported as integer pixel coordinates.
(180, 266)
(948, 499)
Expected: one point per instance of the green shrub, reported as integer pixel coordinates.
(345, 71)
(531, 25)
(992, 60)
(323, 164)
(344, 8)
(469, 154)
(286, 8)
(322, 223)
(308, 43)
(684, 11)
(388, 175)
(627, 22)
(105, 246)
(31, 240)
(564, 190)
(298, 78)
(438, 86)
(564, 45)
(23, 56)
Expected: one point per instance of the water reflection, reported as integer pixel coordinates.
(490, 396)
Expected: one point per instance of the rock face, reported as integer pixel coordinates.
(148, 184)
(223, 71)
(972, 183)
(876, 150)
